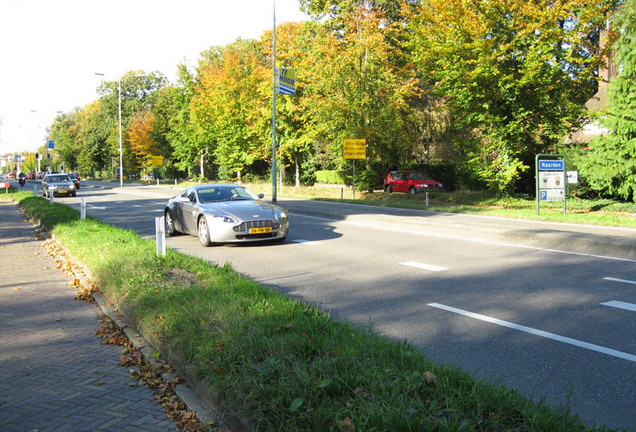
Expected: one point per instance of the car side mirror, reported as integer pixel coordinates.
(260, 196)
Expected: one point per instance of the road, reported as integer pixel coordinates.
(546, 309)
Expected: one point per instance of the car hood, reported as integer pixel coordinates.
(243, 209)
(60, 183)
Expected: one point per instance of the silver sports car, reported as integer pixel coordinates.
(225, 213)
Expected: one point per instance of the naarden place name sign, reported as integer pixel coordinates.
(355, 149)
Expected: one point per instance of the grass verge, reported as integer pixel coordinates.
(283, 365)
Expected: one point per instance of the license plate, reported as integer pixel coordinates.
(263, 230)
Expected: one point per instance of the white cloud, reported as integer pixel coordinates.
(50, 50)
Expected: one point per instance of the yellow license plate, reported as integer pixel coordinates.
(263, 230)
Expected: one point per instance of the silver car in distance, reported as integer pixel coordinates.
(225, 213)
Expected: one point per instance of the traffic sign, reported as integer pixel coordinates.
(552, 195)
(551, 165)
(51, 145)
(355, 149)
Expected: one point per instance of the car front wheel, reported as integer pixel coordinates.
(388, 189)
(412, 191)
(170, 230)
(204, 232)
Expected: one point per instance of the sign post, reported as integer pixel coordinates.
(551, 184)
(354, 149)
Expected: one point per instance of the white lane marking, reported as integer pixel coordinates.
(423, 266)
(411, 232)
(95, 207)
(306, 242)
(621, 305)
(619, 280)
(556, 337)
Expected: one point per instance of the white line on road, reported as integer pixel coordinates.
(556, 337)
(621, 305)
(620, 280)
(411, 232)
(423, 266)
(306, 242)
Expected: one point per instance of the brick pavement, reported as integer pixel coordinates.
(55, 375)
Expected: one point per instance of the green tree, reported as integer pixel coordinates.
(228, 107)
(610, 164)
(358, 85)
(513, 73)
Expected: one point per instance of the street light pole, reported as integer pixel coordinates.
(121, 158)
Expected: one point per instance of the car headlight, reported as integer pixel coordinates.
(52, 187)
(280, 216)
(71, 186)
(222, 218)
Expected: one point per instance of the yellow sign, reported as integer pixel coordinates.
(157, 160)
(355, 149)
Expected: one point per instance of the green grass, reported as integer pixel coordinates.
(285, 366)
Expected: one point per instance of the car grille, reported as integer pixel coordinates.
(256, 224)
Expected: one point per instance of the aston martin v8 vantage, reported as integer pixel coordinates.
(225, 213)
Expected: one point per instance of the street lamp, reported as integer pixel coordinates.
(121, 165)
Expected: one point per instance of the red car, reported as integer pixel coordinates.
(411, 182)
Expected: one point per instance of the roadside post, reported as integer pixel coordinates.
(35, 191)
(51, 196)
(354, 149)
(6, 186)
(551, 184)
(83, 208)
(160, 234)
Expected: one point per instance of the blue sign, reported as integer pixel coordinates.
(544, 195)
(51, 145)
(552, 165)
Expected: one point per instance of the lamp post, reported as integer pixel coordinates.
(121, 159)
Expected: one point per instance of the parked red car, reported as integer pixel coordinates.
(411, 182)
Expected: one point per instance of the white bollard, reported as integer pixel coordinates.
(51, 196)
(426, 199)
(83, 209)
(35, 191)
(160, 233)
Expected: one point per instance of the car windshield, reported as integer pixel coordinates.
(417, 176)
(224, 193)
(57, 178)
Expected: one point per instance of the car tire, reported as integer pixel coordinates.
(388, 189)
(169, 223)
(204, 232)
(412, 190)
(74, 194)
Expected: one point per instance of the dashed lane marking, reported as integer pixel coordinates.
(423, 266)
(619, 280)
(541, 333)
(621, 305)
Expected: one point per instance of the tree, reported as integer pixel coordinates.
(358, 85)
(228, 107)
(513, 73)
(610, 163)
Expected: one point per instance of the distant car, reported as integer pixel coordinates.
(10, 175)
(58, 184)
(76, 179)
(225, 213)
(411, 182)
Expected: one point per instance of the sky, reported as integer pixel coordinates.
(50, 50)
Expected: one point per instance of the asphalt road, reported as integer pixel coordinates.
(546, 309)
